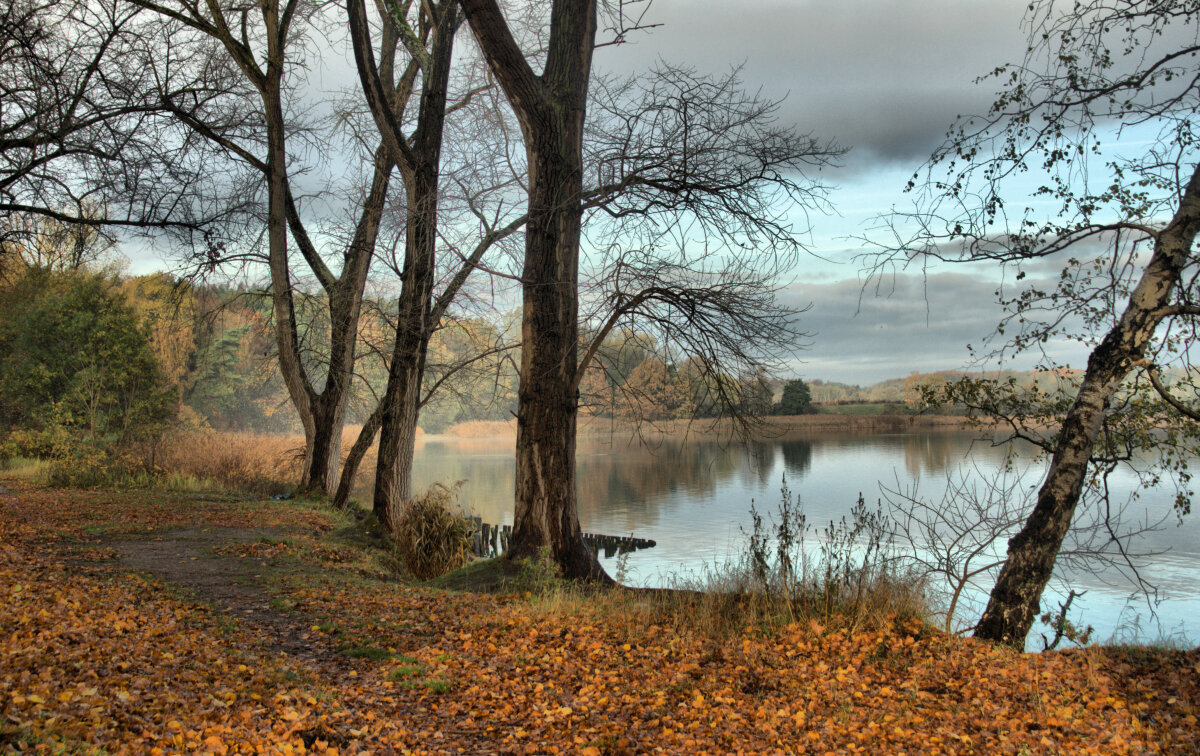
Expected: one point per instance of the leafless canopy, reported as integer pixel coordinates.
(83, 137)
(696, 191)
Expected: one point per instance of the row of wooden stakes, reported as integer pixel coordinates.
(492, 540)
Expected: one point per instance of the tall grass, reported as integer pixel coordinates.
(24, 468)
(843, 575)
(482, 428)
(252, 463)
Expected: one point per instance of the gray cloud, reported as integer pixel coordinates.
(908, 323)
(885, 77)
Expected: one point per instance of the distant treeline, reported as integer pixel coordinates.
(215, 345)
(909, 392)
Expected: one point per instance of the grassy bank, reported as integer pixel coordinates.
(305, 642)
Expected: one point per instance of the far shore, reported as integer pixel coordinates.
(769, 428)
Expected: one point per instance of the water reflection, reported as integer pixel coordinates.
(693, 497)
(797, 457)
(641, 480)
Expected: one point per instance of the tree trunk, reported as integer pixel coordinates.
(1014, 601)
(401, 400)
(287, 341)
(321, 413)
(551, 110)
(546, 512)
(354, 458)
(323, 449)
(419, 167)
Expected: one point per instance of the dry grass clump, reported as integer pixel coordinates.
(432, 535)
(250, 462)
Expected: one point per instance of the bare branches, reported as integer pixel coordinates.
(960, 537)
(1094, 72)
(84, 136)
(674, 144)
(693, 187)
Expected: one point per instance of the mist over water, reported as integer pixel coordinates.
(694, 496)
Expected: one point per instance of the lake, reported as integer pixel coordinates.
(693, 497)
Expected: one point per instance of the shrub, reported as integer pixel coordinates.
(84, 467)
(433, 537)
(73, 352)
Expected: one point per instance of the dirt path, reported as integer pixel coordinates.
(187, 558)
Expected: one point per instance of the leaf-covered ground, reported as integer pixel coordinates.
(313, 650)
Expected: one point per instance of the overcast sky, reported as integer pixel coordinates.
(885, 78)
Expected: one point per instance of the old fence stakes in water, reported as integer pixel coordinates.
(492, 540)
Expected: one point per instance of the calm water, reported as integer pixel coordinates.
(694, 499)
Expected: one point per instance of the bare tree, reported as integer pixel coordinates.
(431, 48)
(959, 537)
(671, 164)
(689, 222)
(266, 43)
(551, 109)
(84, 136)
(1127, 222)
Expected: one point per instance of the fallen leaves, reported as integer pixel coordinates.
(119, 661)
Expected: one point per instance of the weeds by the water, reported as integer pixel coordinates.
(783, 574)
(853, 578)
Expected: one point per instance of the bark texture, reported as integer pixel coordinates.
(419, 161)
(551, 109)
(1014, 601)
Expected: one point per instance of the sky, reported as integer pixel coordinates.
(885, 78)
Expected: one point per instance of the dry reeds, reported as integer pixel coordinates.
(252, 463)
(432, 536)
(482, 429)
(848, 580)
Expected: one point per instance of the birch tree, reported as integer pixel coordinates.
(1118, 219)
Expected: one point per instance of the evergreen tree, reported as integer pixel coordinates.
(797, 399)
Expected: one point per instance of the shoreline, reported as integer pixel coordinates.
(769, 428)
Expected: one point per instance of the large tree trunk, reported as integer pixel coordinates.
(1014, 601)
(323, 448)
(546, 513)
(401, 401)
(551, 110)
(420, 166)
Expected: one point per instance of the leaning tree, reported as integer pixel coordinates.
(1087, 162)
